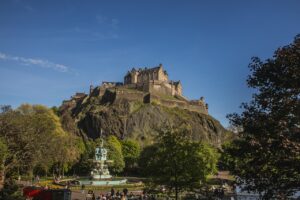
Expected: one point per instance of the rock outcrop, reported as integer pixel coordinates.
(129, 118)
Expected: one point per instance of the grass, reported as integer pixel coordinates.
(167, 97)
(136, 106)
(177, 112)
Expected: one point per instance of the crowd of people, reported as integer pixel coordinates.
(117, 195)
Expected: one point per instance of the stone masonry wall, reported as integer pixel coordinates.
(130, 93)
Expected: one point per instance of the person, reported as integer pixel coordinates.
(131, 195)
(93, 197)
(125, 191)
(123, 196)
(112, 192)
(82, 188)
(118, 193)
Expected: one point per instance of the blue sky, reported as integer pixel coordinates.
(51, 49)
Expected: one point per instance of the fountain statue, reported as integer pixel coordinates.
(100, 175)
(100, 170)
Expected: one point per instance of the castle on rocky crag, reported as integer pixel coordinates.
(148, 85)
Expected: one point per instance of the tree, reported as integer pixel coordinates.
(115, 154)
(266, 156)
(85, 163)
(11, 191)
(131, 151)
(68, 150)
(3, 155)
(34, 139)
(177, 162)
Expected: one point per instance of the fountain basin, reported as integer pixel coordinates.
(93, 182)
(101, 177)
(103, 182)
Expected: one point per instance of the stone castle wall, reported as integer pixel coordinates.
(129, 92)
(130, 95)
(155, 86)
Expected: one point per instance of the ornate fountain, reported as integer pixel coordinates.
(100, 170)
(100, 174)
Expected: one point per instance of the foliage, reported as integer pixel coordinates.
(178, 162)
(85, 163)
(35, 138)
(68, 152)
(131, 151)
(55, 110)
(68, 123)
(11, 191)
(266, 156)
(115, 153)
(3, 152)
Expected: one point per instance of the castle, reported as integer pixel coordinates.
(152, 80)
(147, 85)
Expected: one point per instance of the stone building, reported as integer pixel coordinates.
(154, 80)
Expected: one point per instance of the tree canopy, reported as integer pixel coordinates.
(131, 151)
(35, 139)
(266, 156)
(115, 153)
(177, 162)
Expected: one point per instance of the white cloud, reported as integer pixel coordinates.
(110, 22)
(34, 61)
(101, 19)
(115, 23)
(2, 56)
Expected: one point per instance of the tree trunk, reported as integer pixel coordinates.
(176, 192)
(2, 178)
(63, 171)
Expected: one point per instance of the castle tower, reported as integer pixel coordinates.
(91, 88)
(134, 75)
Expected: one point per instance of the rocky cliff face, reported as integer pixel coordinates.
(137, 120)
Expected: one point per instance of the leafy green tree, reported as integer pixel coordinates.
(115, 153)
(131, 151)
(178, 162)
(85, 163)
(266, 156)
(68, 149)
(35, 139)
